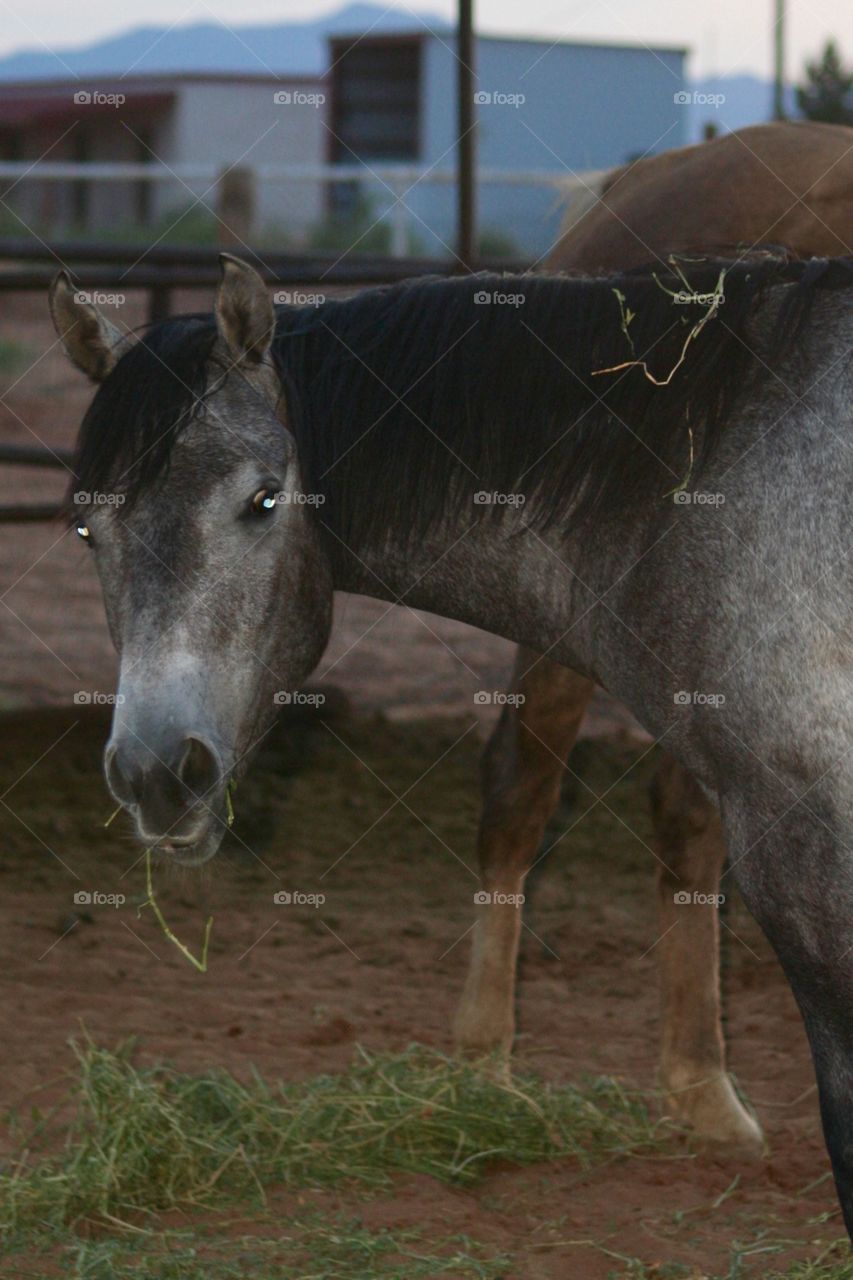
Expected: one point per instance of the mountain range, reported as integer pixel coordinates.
(285, 48)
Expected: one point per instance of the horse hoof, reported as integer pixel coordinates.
(492, 1064)
(716, 1115)
(477, 1033)
(486, 1051)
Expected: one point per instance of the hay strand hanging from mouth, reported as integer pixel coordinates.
(151, 901)
(199, 963)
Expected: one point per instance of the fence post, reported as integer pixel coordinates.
(159, 303)
(399, 222)
(236, 201)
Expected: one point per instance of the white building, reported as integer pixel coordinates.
(206, 122)
(545, 111)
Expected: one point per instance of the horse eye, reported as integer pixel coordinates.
(263, 502)
(83, 532)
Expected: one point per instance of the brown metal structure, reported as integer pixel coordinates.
(466, 146)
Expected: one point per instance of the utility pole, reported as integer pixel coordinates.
(779, 62)
(466, 232)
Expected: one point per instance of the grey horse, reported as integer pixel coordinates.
(667, 463)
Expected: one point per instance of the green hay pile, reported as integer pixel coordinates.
(150, 1139)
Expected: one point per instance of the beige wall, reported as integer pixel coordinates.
(243, 124)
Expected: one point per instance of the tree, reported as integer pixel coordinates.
(827, 94)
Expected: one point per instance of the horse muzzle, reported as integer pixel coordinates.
(175, 791)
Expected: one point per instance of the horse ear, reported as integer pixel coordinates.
(244, 311)
(90, 340)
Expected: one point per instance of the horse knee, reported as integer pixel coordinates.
(680, 808)
(687, 828)
(523, 763)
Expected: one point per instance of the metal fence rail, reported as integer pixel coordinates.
(391, 183)
(27, 455)
(159, 271)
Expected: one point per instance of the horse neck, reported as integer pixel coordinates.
(532, 588)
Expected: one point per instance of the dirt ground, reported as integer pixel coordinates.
(382, 962)
(292, 989)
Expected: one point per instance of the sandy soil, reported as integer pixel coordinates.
(381, 963)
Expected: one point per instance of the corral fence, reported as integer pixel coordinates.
(20, 455)
(240, 197)
(29, 263)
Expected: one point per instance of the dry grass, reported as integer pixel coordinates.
(150, 1139)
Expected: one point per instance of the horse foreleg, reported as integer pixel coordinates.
(796, 877)
(521, 773)
(696, 1086)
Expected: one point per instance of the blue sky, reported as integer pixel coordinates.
(724, 35)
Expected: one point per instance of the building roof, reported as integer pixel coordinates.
(39, 107)
(441, 32)
(634, 46)
(122, 84)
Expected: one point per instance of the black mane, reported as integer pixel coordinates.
(407, 400)
(129, 430)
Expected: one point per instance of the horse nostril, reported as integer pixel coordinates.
(199, 768)
(116, 780)
(163, 784)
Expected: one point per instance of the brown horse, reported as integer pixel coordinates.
(792, 185)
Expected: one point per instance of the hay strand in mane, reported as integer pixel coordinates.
(713, 307)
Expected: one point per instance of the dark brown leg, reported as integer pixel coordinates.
(521, 775)
(693, 1076)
